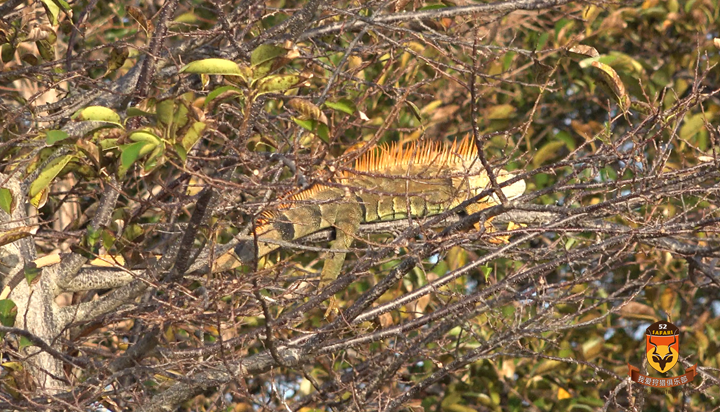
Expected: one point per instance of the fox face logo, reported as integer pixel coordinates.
(662, 346)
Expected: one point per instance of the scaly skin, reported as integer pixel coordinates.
(389, 184)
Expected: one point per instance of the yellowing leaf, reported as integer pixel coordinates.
(563, 394)
(308, 109)
(46, 49)
(118, 55)
(97, 113)
(108, 261)
(138, 15)
(51, 10)
(144, 136)
(635, 310)
(165, 110)
(582, 51)
(40, 199)
(279, 83)
(193, 135)
(48, 174)
(263, 57)
(592, 348)
(548, 366)
(608, 79)
(500, 112)
(6, 200)
(667, 300)
(265, 53)
(11, 235)
(214, 66)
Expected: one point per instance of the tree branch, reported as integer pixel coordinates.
(448, 12)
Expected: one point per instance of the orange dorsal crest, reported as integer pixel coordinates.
(418, 153)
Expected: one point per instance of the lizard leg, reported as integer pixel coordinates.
(347, 222)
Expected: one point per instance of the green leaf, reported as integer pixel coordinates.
(323, 132)
(135, 112)
(318, 128)
(52, 10)
(265, 53)
(8, 312)
(182, 153)
(92, 241)
(108, 239)
(542, 41)
(97, 113)
(108, 144)
(165, 110)
(24, 342)
(414, 109)
(342, 105)
(144, 136)
(46, 49)
(567, 138)
(132, 232)
(279, 83)
(6, 200)
(486, 271)
(500, 112)
(63, 5)
(547, 152)
(53, 136)
(118, 55)
(307, 124)
(213, 66)
(221, 92)
(48, 174)
(180, 118)
(264, 58)
(31, 272)
(130, 153)
(692, 126)
(192, 136)
(433, 7)
(8, 52)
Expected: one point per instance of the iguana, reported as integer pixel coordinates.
(389, 183)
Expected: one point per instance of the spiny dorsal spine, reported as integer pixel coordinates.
(450, 158)
(417, 153)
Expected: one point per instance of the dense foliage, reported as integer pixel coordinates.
(142, 141)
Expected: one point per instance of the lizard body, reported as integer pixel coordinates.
(390, 183)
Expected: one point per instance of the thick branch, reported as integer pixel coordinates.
(448, 12)
(87, 311)
(89, 279)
